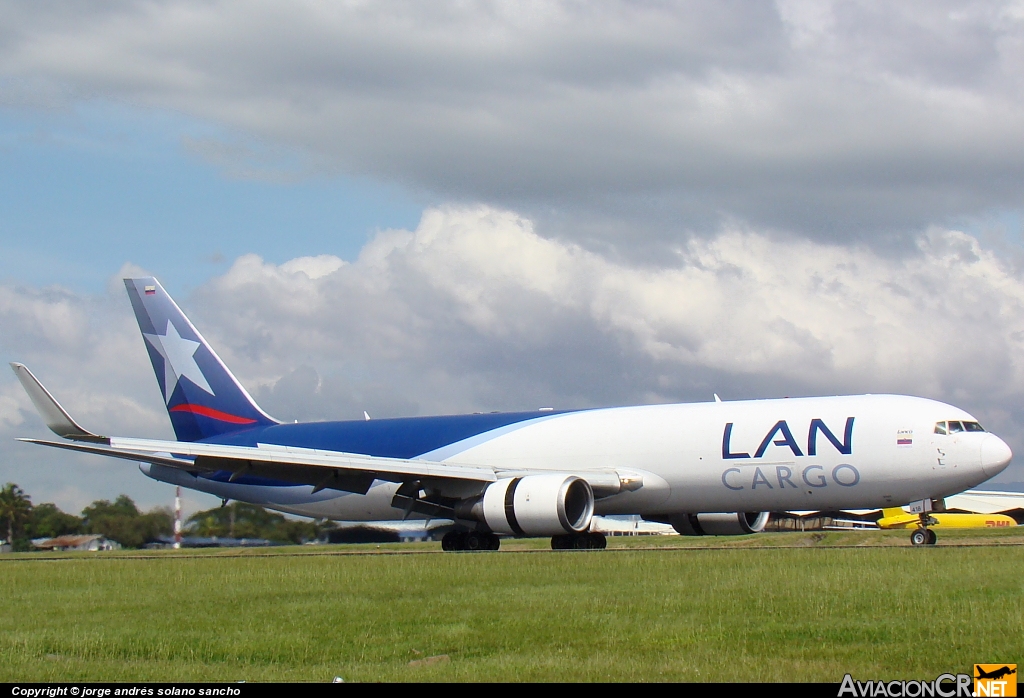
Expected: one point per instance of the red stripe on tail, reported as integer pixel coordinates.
(212, 414)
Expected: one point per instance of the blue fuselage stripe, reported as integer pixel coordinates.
(406, 437)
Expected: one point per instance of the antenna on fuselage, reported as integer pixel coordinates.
(717, 399)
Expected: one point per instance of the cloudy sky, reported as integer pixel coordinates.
(415, 208)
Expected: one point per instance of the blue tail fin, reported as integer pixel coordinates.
(203, 399)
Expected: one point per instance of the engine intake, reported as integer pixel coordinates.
(537, 505)
(737, 524)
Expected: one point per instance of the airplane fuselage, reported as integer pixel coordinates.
(855, 452)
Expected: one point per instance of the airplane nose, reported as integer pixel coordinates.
(995, 455)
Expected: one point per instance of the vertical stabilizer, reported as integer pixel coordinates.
(203, 399)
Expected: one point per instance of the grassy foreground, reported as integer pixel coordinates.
(731, 614)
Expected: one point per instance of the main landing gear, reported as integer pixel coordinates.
(479, 540)
(924, 535)
(469, 540)
(579, 541)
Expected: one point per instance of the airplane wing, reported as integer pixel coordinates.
(317, 467)
(322, 469)
(217, 457)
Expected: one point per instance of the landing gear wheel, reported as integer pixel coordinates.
(598, 541)
(581, 541)
(932, 538)
(470, 540)
(453, 540)
(920, 537)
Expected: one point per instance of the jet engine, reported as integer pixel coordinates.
(737, 524)
(535, 505)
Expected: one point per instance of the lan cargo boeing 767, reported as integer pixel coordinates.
(708, 468)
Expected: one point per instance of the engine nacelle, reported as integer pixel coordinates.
(538, 505)
(737, 524)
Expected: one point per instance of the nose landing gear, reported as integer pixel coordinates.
(924, 535)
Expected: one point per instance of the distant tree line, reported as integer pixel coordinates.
(240, 520)
(121, 521)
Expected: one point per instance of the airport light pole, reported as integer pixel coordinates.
(177, 518)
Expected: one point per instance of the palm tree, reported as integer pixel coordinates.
(15, 507)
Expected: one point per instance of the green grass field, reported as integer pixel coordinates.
(773, 607)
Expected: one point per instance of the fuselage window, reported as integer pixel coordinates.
(954, 427)
(940, 427)
(973, 426)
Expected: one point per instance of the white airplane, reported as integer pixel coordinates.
(712, 468)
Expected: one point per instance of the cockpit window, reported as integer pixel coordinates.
(957, 427)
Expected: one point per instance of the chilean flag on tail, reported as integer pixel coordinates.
(203, 399)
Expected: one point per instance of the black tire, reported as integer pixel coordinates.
(598, 541)
(474, 541)
(559, 543)
(919, 537)
(932, 538)
(453, 540)
(494, 543)
(582, 541)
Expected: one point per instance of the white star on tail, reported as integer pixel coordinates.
(179, 359)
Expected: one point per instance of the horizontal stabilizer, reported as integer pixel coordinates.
(55, 416)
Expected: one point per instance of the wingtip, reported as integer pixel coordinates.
(56, 417)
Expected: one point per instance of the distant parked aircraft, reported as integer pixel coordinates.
(898, 518)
